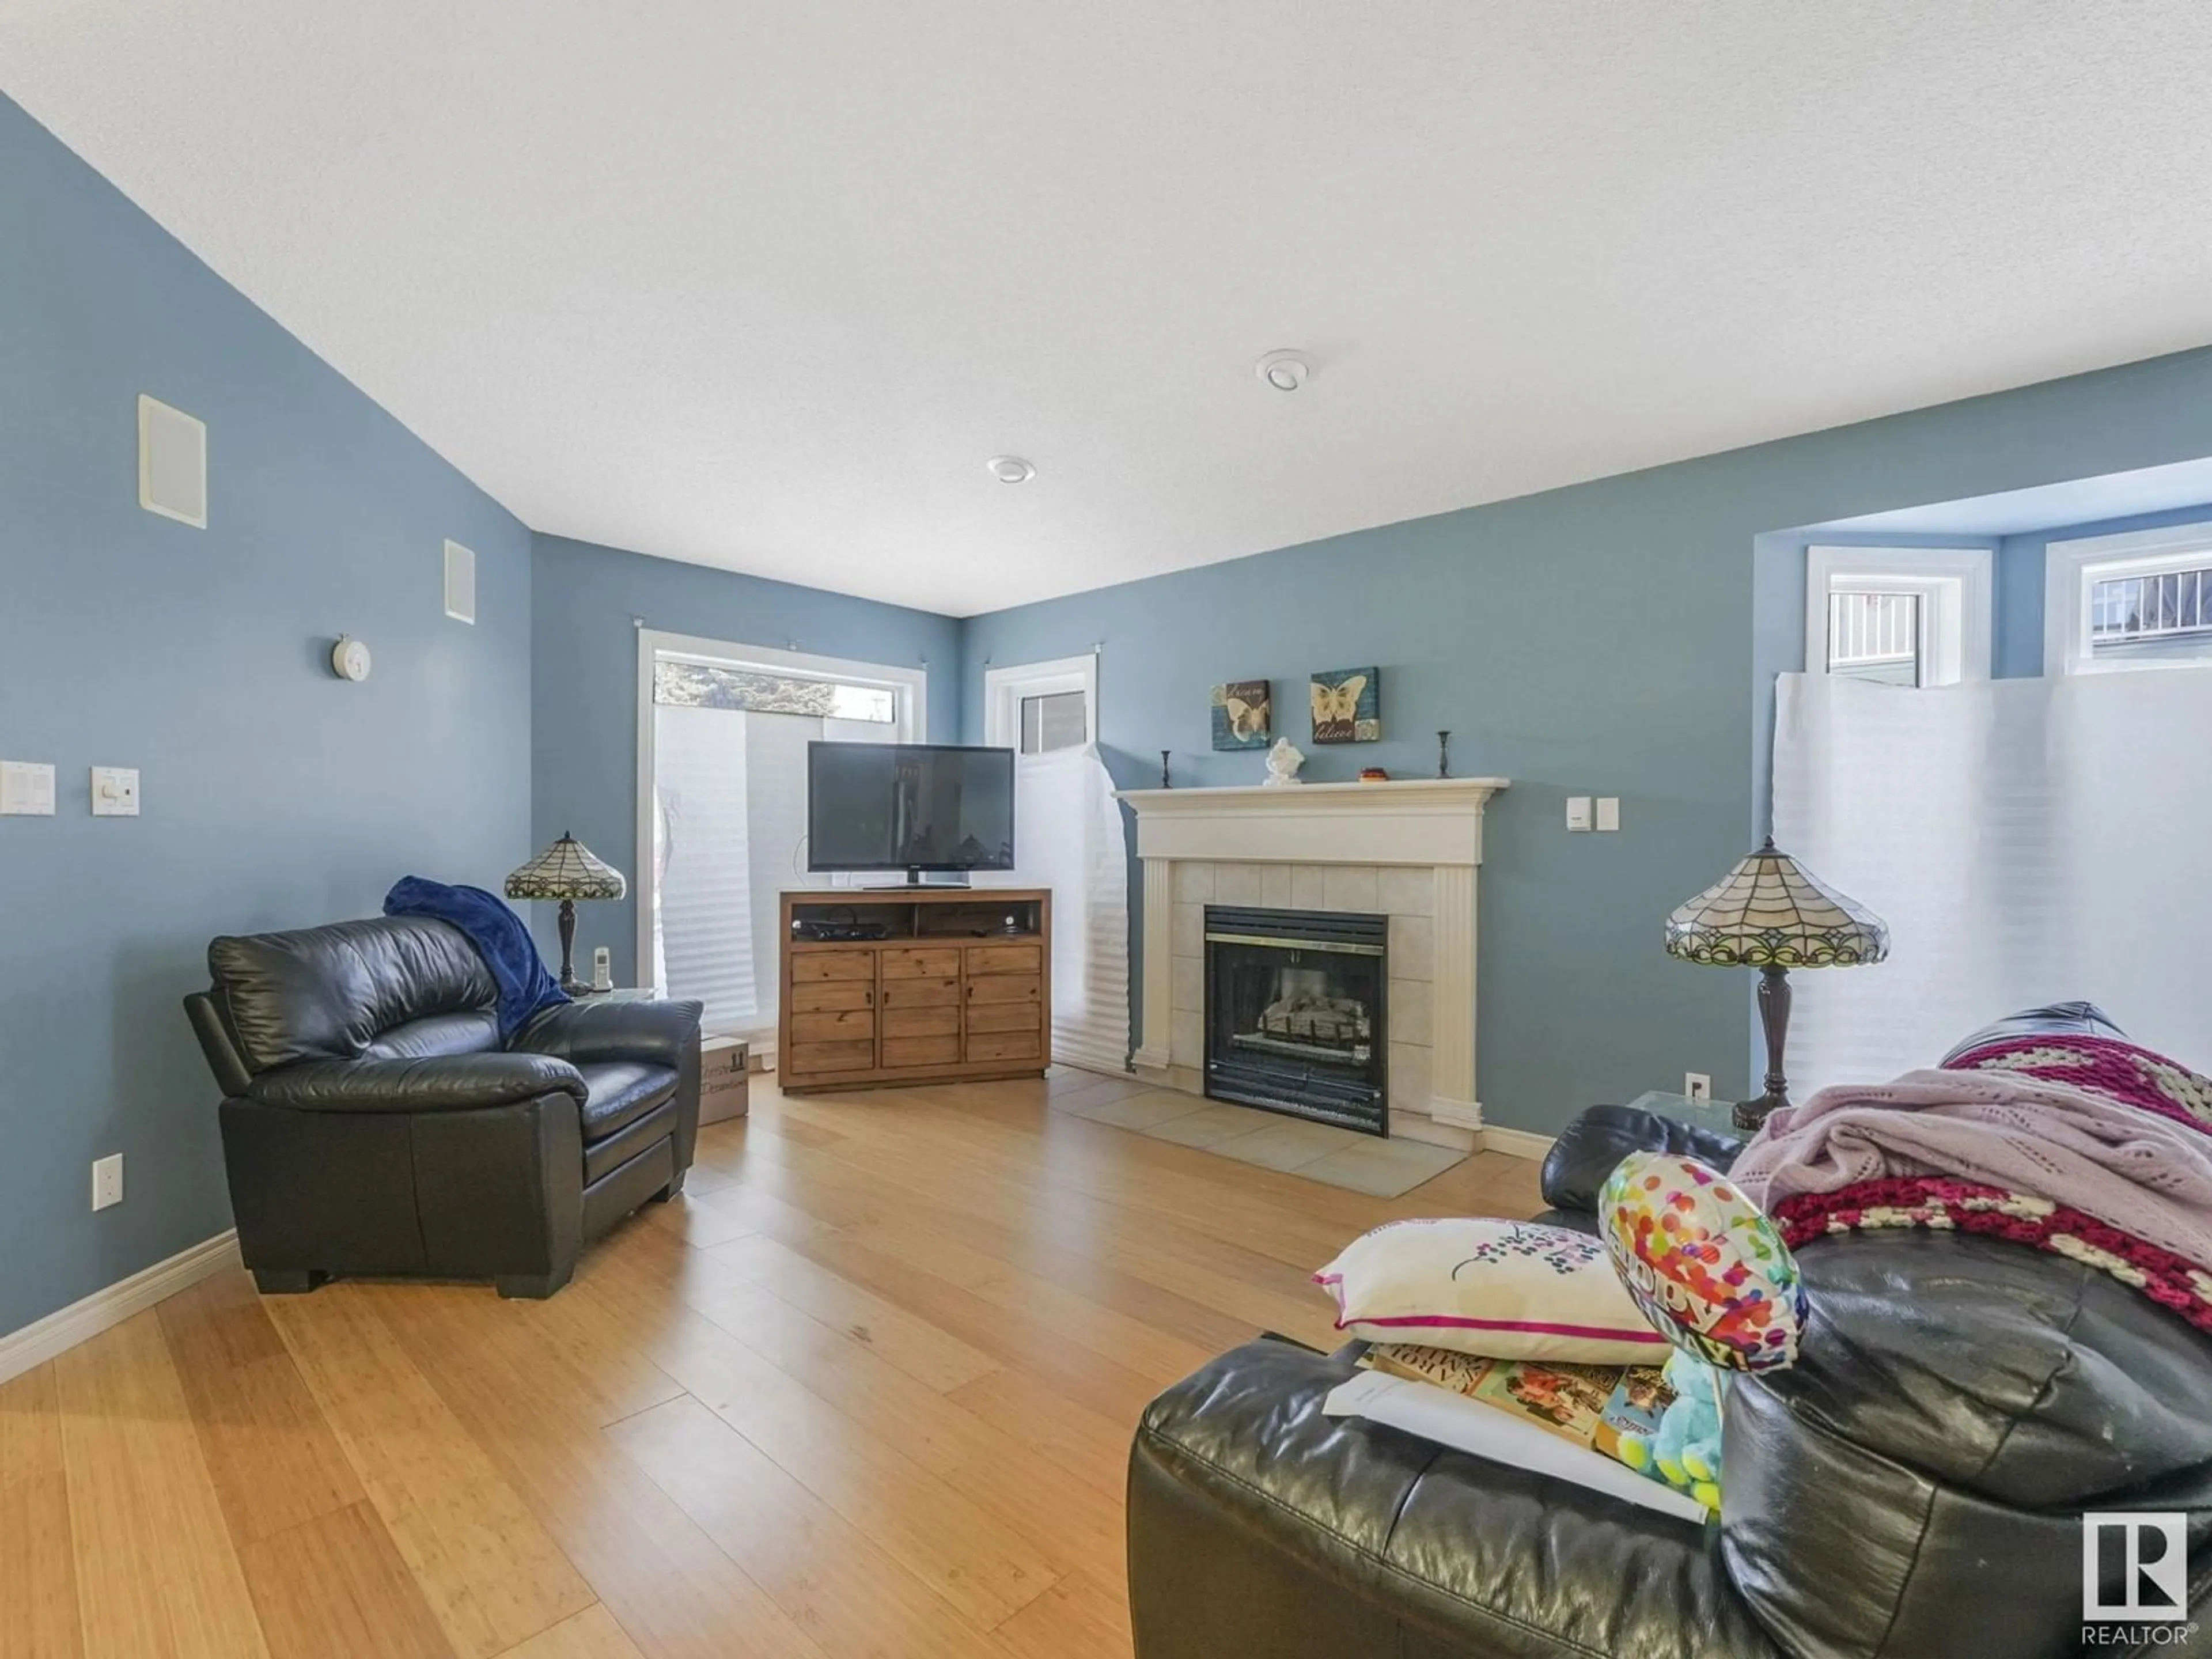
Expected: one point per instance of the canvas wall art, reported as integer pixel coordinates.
(1347, 706)
(1242, 712)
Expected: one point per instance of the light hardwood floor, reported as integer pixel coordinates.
(865, 1392)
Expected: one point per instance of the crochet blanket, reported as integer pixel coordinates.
(2020, 1217)
(501, 939)
(2142, 1173)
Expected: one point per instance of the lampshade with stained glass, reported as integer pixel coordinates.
(567, 871)
(1771, 914)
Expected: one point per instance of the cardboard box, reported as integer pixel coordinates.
(722, 1077)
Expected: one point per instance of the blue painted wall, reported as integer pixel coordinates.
(591, 601)
(274, 795)
(1619, 637)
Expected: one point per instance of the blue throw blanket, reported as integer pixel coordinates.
(501, 939)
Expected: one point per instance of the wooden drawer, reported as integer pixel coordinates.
(856, 1026)
(812, 966)
(830, 1057)
(1006, 988)
(1004, 1045)
(1005, 959)
(825, 995)
(921, 1051)
(936, 962)
(921, 992)
(919, 1022)
(1004, 1016)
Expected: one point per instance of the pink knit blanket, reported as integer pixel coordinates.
(2146, 1175)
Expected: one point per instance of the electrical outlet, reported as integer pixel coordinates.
(1697, 1085)
(107, 1180)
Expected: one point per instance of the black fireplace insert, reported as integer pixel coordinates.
(1294, 1013)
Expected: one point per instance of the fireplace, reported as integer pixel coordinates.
(1294, 1012)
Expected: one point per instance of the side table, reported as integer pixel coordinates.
(1718, 1116)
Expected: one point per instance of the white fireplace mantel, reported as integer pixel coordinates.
(1409, 849)
(1416, 821)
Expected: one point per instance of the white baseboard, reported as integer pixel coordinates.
(1516, 1142)
(1460, 1114)
(80, 1322)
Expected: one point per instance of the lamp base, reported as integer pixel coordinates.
(1748, 1115)
(568, 981)
(1774, 1017)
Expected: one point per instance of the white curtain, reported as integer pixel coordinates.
(2027, 841)
(1068, 836)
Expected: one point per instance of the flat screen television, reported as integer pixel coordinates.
(910, 806)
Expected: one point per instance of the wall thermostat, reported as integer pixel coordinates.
(350, 659)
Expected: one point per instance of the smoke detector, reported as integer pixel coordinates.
(1011, 468)
(1285, 371)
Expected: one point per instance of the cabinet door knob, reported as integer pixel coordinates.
(868, 998)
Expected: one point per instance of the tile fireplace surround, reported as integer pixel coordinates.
(1408, 850)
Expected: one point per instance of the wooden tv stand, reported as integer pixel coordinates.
(959, 988)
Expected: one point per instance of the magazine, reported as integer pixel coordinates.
(1590, 1405)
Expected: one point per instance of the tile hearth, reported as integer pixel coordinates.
(1316, 1151)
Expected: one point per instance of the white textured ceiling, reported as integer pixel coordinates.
(763, 286)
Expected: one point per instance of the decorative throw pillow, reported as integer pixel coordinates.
(1509, 1290)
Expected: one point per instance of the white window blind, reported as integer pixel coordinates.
(1069, 837)
(2028, 841)
(727, 806)
(703, 937)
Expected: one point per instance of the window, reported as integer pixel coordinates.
(1056, 720)
(687, 685)
(2141, 599)
(722, 736)
(1898, 616)
(1874, 636)
(1041, 707)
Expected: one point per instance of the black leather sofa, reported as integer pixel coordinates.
(373, 1123)
(1911, 1489)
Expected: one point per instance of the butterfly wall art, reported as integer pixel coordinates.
(1347, 706)
(1242, 712)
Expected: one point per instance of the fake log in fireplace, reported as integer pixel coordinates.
(1295, 1015)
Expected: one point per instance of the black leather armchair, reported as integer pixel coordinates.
(1911, 1489)
(372, 1123)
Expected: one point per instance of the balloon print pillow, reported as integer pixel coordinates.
(1504, 1290)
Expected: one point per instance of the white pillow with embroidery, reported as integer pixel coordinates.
(1507, 1290)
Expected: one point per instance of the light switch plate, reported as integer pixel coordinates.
(1608, 814)
(1578, 811)
(107, 1180)
(115, 792)
(26, 789)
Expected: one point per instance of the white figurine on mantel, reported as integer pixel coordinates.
(1282, 762)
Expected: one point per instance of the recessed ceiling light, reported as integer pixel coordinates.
(1011, 468)
(1285, 371)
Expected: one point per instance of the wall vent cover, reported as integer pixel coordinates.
(172, 463)
(460, 583)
